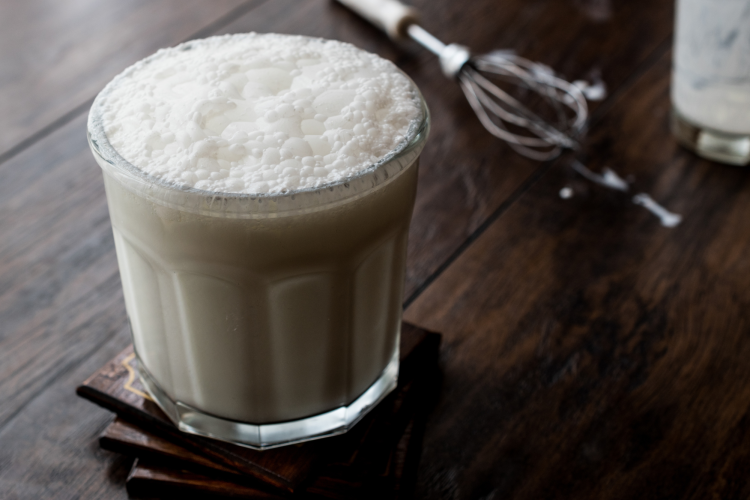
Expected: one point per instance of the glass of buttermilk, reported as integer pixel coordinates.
(260, 189)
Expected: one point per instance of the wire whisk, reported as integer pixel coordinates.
(503, 115)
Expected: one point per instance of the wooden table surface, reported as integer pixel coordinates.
(588, 352)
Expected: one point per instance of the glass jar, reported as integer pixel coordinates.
(264, 320)
(711, 79)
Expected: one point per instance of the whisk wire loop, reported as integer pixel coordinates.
(518, 115)
(514, 141)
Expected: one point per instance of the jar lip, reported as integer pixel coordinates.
(165, 192)
(101, 145)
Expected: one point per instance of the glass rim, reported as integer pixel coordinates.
(255, 205)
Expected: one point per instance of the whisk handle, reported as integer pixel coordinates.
(391, 16)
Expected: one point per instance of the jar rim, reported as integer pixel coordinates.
(252, 205)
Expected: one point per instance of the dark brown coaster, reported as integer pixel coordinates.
(382, 463)
(163, 468)
(147, 479)
(117, 387)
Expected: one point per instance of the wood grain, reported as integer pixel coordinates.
(57, 55)
(600, 354)
(60, 295)
(590, 352)
(49, 448)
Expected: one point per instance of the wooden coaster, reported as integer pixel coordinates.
(361, 454)
(382, 463)
(163, 468)
(154, 477)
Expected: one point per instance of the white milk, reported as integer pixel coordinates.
(260, 222)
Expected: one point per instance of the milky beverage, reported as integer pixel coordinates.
(260, 189)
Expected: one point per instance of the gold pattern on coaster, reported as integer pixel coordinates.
(131, 378)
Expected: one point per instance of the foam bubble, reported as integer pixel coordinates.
(258, 113)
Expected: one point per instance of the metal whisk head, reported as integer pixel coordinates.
(505, 116)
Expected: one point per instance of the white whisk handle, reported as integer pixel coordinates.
(391, 16)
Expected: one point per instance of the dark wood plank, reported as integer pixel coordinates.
(600, 354)
(466, 173)
(49, 450)
(60, 295)
(57, 55)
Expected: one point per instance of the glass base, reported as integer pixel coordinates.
(265, 436)
(723, 147)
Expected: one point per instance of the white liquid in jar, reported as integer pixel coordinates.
(293, 307)
(711, 76)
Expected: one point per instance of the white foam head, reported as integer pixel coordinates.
(258, 113)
